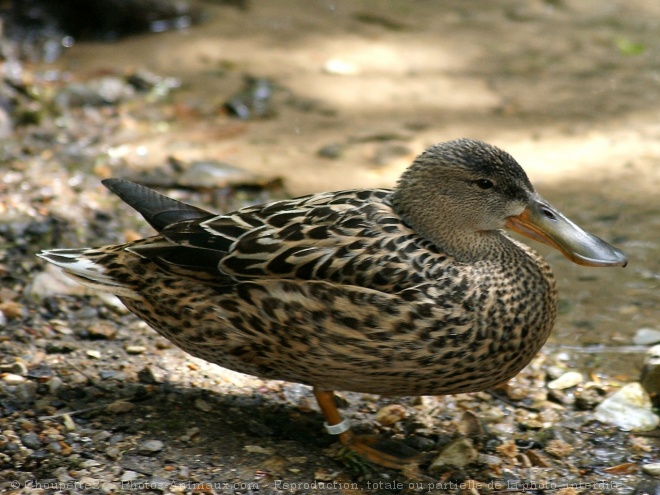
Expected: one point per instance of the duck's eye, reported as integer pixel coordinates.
(484, 183)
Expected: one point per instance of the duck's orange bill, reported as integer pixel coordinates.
(542, 222)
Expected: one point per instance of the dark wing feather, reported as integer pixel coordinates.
(160, 211)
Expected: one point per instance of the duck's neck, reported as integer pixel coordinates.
(450, 235)
(469, 247)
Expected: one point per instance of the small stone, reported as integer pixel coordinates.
(629, 409)
(332, 151)
(650, 376)
(120, 406)
(147, 375)
(646, 336)
(12, 379)
(149, 447)
(69, 424)
(31, 441)
(558, 448)
(587, 399)
(647, 487)
(135, 349)
(257, 449)
(339, 67)
(322, 475)
(113, 452)
(202, 405)
(102, 330)
(26, 391)
(458, 453)
(101, 436)
(129, 476)
(390, 414)
(13, 310)
(94, 354)
(567, 380)
(652, 469)
(18, 368)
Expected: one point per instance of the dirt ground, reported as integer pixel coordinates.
(570, 88)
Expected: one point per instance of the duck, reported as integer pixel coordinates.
(405, 291)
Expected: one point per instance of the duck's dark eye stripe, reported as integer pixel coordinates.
(484, 183)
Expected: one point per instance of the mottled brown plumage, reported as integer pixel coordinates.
(410, 291)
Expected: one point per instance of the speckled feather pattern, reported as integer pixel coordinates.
(333, 290)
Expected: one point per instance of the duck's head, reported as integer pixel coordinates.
(459, 194)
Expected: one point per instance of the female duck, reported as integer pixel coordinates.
(409, 291)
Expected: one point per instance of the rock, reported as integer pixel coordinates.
(650, 377)
(646, 336)
(129, 476)
(135, 349)
(339, 67)
(215, 174)
(458, 453)
(203, 406)
(647, 487)
(150, 447)
(12, 379)
(651, 469)
(102, 330)
(390, 414)
(120, 406)
(629, 409)
(567, 380)
(257, 449)
(31, 441)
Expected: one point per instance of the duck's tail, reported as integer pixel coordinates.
(80, 265)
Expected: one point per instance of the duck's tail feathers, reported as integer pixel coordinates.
(160, 211)
(79, 265)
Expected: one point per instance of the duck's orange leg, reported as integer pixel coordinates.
(384, 452)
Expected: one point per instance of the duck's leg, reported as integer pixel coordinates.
(384, 452)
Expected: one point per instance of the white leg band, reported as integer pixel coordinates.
(339, 428)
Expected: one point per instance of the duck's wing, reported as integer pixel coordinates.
(347, 237)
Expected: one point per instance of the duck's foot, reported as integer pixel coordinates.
(382, 451)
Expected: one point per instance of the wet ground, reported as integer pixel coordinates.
(569, 88)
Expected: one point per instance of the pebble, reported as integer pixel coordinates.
(567, 380)
(120, 406)
(646, 336)
(147, 375)
(647, 487)
(215, 174)
(650, 376)
(629, 409)
(129, 476)
(135, 349)
(203, 406)
(257, 449)
(102, 330)
(149, 447)
(31, 441)
(113, 452)
(339, 67)
(458, 453)
(390, 414)
(12, 379)
(650, 469)
(18, 368)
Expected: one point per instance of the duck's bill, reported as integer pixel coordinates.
(542, 222)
